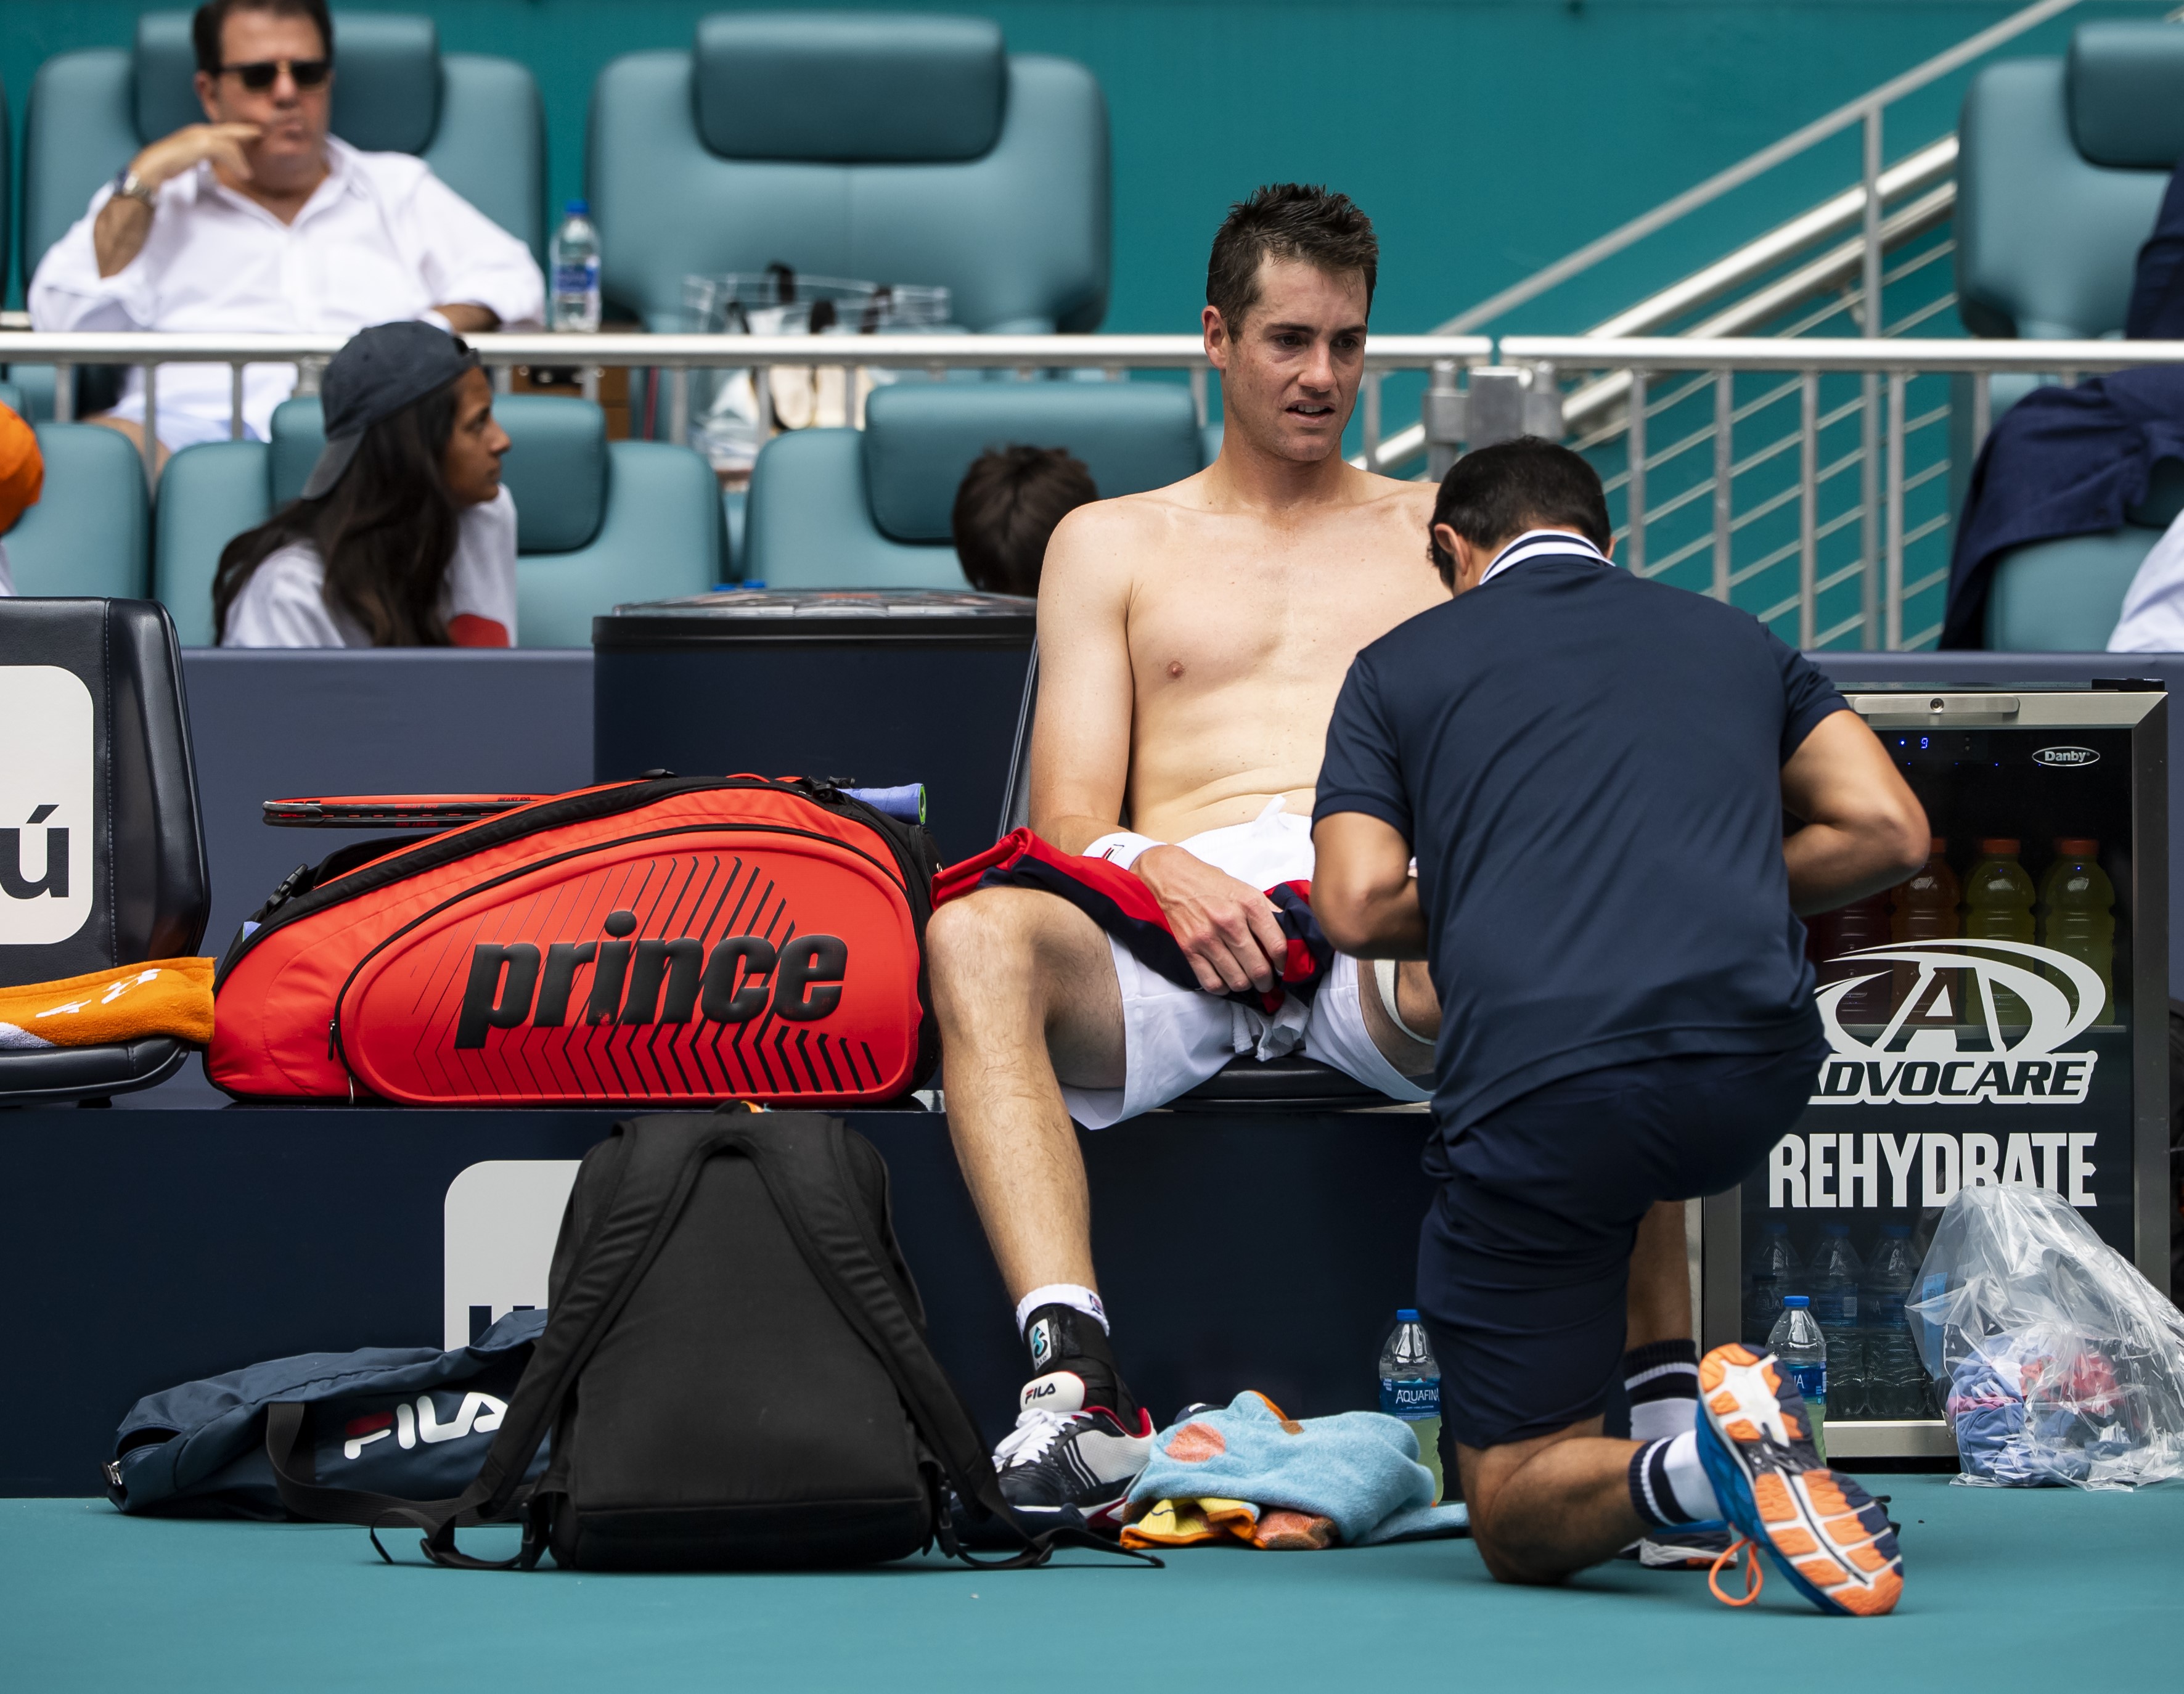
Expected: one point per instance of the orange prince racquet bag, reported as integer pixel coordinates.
(663, 941)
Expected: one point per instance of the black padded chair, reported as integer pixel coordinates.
(1292, 1083)
(102, 860)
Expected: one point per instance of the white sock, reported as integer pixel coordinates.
(1662, 1379)
(1075, 1295)
(1687, 1478)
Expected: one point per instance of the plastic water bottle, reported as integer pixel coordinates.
(1771, 1269)
(1834, 1277)
(1895, 1380)
(576, 256)
(1800, 1349)
(1410, 1389)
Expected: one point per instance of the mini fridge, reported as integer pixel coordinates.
(1987, 1022)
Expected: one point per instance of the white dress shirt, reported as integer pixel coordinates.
(381, 240)
(284, 603)
(2153, 620)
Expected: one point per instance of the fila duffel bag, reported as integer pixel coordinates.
(669, 940)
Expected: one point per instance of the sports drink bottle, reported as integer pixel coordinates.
(1830, 935)
(1410, 1389)
(1926, 909)
(1998, 898)
(2077, 914)
(1801, 1350)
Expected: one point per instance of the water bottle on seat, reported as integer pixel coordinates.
(575, 269)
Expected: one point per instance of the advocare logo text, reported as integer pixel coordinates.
(2027, 1067)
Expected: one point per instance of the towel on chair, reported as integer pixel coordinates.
(1249, 1473)
(1120, 903)
(159, 997)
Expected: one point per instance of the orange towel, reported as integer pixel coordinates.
(22, 468)
(159, 997)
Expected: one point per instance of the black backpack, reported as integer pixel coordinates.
(735, 1370)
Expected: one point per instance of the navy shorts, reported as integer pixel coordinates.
(1524, 1257)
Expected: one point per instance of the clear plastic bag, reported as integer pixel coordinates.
(2060, 1363)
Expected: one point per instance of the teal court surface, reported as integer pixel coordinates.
(2001, 1585)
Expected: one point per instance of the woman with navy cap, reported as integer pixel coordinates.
(403, 536)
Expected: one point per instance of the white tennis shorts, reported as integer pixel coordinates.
(1175, 1038)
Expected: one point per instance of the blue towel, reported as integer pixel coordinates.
(1359, 1469)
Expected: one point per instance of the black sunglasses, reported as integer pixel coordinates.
(260, 75)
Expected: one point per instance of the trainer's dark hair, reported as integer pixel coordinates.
(1292, 220)
(1006, 511)
(1498, 492)
(387, 530)
(212, 17)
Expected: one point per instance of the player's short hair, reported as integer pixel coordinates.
(1498, 492)
(212, 18)
(1292, 220)
(1005, 510)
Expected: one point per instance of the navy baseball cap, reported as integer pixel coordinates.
(382, 370)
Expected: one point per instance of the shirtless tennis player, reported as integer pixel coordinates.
(1192, 643)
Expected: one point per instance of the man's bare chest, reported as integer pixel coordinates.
(1208, 628)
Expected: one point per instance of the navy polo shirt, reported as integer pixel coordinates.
(1588, 768)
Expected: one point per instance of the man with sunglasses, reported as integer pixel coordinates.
(258, 219)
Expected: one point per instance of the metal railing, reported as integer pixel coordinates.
(1856, 266)
(1806, 479)
(1443, 355)
(1750, 471)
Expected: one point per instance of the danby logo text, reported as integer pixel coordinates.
(652, 981)
(1916, 1059)
(2066, 758)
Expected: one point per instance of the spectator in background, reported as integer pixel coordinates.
(22, 480)
(1006, 508)
(257, 220)
(2073, 460)
(403, 536)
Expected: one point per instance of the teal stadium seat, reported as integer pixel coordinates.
(890, 147)
(870, 507)
(2060, 169)
(6, 184)
(598, 522)
(88, 534)
(476, 120)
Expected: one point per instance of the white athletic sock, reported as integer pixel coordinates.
(1687, 1478)
(1075, 1295)
(1662, 1379)
(1668, 1483)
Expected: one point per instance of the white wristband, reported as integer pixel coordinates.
(437, 319)
(1121, 847)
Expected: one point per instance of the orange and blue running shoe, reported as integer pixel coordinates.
(1824, 1532)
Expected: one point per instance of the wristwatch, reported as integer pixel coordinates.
(128, 186)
